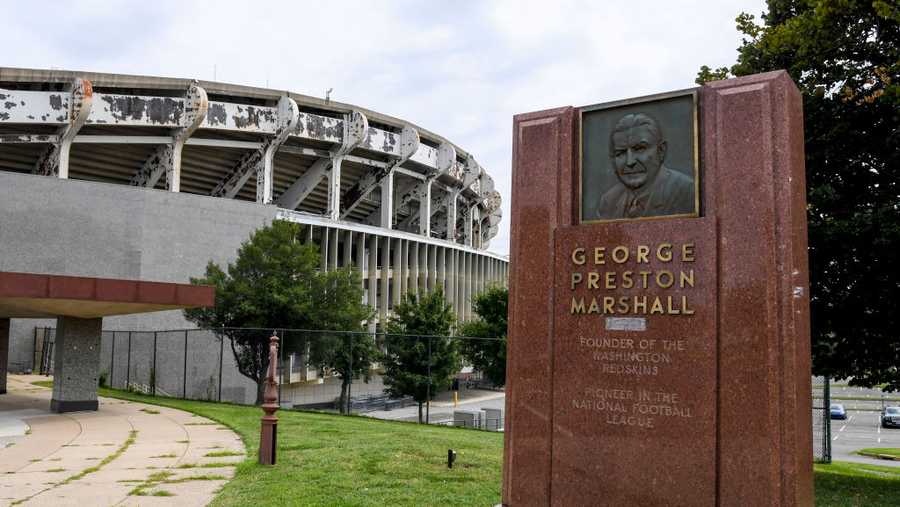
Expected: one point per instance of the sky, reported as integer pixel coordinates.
(461, 69)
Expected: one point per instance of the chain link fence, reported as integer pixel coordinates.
(377, 374)
(821, 419)
(203, 364)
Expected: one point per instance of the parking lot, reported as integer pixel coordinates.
(862, 428)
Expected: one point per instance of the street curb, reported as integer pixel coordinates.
(888, 457)
(444, 404)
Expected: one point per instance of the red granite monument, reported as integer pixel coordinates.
(659, 347)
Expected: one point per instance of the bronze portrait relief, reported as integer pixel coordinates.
(639, 159)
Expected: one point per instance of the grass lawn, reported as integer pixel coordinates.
(332, 460)
(881, 450)
(852, 484)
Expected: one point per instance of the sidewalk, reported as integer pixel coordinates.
(123, 454)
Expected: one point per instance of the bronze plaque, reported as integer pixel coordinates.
(639, 158)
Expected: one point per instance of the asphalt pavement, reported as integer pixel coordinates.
(862, 428)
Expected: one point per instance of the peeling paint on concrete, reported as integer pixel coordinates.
(138, 110)
(55, 108)
(33, 107)
(27, 138)
(217, 116)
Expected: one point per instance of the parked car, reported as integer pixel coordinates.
(890, 417)
(837, 411)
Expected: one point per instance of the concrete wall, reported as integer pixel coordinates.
(81, 228)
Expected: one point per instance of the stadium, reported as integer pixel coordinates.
(134, 177)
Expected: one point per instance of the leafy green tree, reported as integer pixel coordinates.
(275, 283)
(487, 355)
(844, 56)
(419, 354)
(338, 307)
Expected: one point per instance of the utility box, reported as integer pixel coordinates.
(492, 419)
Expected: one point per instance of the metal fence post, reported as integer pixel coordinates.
(428, 387)
(153, 371)
(350, 384)
(112, 362)
(280, 364)
(826, 416)
(184, 372)
(221, 353)
(34, 349)
(128, 364)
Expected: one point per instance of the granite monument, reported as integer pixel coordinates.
(659, 346)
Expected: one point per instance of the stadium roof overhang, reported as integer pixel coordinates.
(247, 143)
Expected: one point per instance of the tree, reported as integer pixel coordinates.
(274, 283)
(419, 353)
(844, 56)
(349, 353)
(487, 355)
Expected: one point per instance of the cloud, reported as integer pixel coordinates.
(460, 69)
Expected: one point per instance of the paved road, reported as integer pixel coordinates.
(442, 409)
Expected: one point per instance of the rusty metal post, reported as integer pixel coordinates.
(268, 438)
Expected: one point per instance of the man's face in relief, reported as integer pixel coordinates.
(637, 155)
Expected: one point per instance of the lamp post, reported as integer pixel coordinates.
(268, 437)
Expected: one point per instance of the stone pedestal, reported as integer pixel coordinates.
(4, 353)
(76, 364)
(704, 402)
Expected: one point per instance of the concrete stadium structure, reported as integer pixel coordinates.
(109, 175)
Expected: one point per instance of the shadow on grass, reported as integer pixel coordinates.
(850, 484)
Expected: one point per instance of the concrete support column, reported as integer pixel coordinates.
(424, 194)
(76, 364)
(4, 353)
(384, 301)
(432, 267)
(347, 258)
(404, 267)
(464, 286)
(467, 228)
(463, 259)
(482, 273)
(423, 268)
(334, 189)
(373, 279)
(397, 247)
(323, 248)
(451, 279)
(387, 201)
(413, 261)
(459, 275)
(451, 215)
(360, 260)
(470, 262)
(441, 280)
(332, 249)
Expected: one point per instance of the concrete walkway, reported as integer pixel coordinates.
(124, 454)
